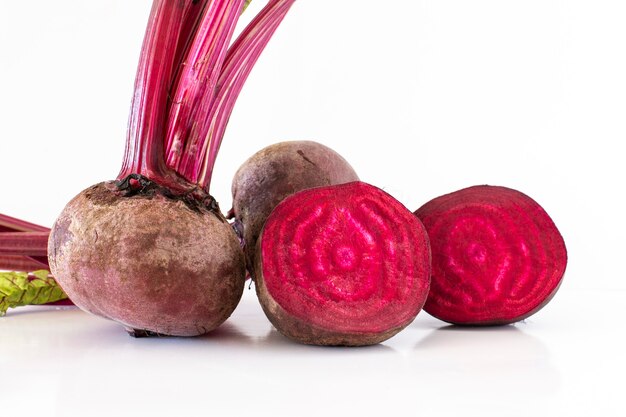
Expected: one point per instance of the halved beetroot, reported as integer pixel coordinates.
(497, 256)
(342, 265)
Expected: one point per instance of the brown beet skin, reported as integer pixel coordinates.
(276, 172)
(149, 263)
(345, 265)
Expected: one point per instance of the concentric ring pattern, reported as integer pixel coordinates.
(497, 255)
(348, 258)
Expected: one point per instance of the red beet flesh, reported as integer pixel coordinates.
(497, 256)
(153, 264)
(342, 265)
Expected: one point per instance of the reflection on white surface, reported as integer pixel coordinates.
(505, 359)
(82, 365)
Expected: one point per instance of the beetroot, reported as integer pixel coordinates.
(276, 172)
(147, 271)
(342, 265)
(151, 250)
(497, 256)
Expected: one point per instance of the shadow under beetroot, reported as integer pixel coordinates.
(38, 309)
(444, 336)
(227, 332)
(275, 340)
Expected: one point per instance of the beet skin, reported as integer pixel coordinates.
(497, 256)
(150, 263)
(342, 265)
(276, 172)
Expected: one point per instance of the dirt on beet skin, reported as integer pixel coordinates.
(150, 263)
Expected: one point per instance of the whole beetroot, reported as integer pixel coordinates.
(151, 250)
(276, 172)
(497, 256)
(136, 260)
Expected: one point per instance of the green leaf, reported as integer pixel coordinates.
(246, 4)
(17, 289)
(42, 274)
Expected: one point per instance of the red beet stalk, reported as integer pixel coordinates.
(497, 256)
(24, 243)
(11, 224)
(342, 265)
(206, 93)
(23, 251)
(11, 258)
(187, 84)
(22, 262)
(170, 27)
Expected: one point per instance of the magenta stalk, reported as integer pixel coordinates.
(195, 87)
(11, 224)
(20, 263)
(197, 130)
(170, 25)
(24, 243)
(241, 58)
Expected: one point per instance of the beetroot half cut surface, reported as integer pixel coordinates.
(344, 265)
(497, 256)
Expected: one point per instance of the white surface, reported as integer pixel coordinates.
(423, 97)
(567, 360)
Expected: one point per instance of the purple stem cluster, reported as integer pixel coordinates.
(187, 83)
(23, 245)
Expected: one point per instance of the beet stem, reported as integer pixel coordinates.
(21, 263)
(241, 58)
(170, 25)
(24, 243)
(196, 84)
(11, 224)
(12, 262)
(183, 96)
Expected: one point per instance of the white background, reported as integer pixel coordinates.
(422, 97)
